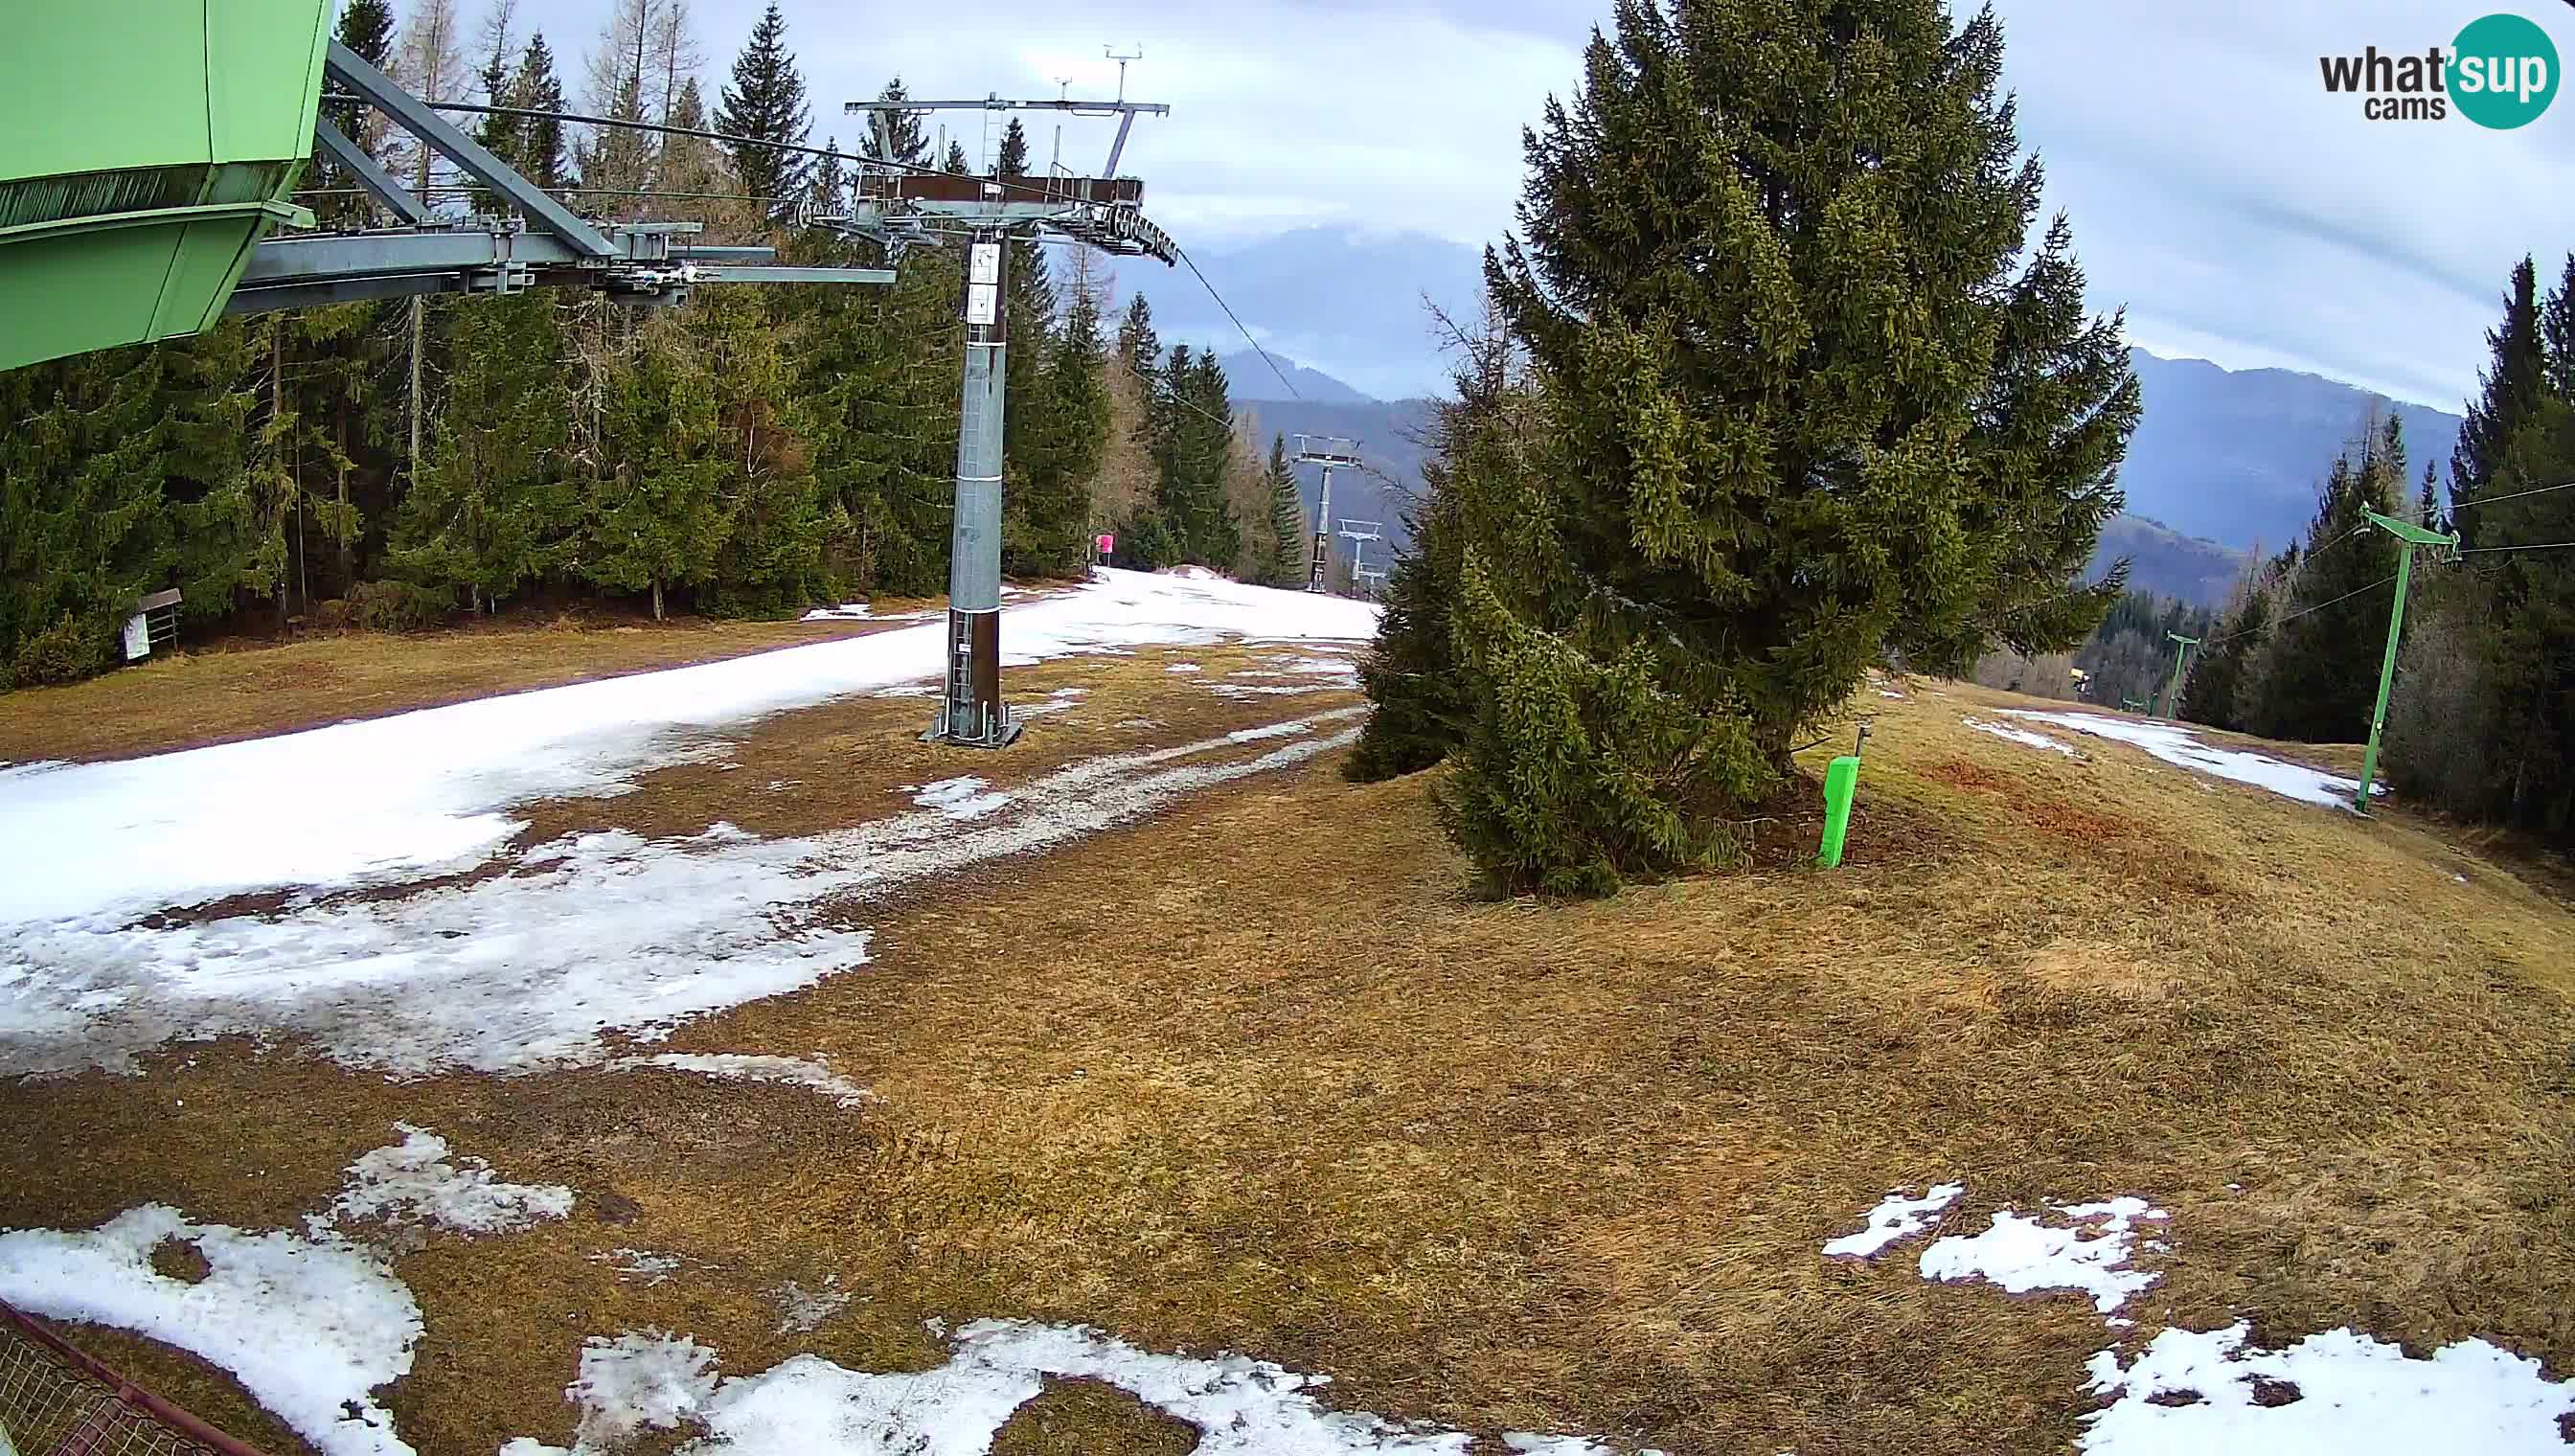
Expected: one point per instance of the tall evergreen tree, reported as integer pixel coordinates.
(898, 135)
(829, 196)
(2315, 675)
(1289, 545)
(494, 506)
(957, 165)
(1060, 439)
(766, 101)
(541, 156)
(2509, 389)
(1140, 349)
(2213, 693)
(659, 519)
(367, 27)
(1810, 403)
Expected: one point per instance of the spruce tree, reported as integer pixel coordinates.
(1046, 519)
(896, 135)
(957, 165)
(2531, 607)
(1288, 541)
(659, 519)
(767, 102)
(1487, 433)
(493, 508)
(771, 557)
(2315, 676)
(1140, 349)
(2509, 389)
(829, 196)
(2212, 693)
(541, 155)
(1808, 403)
(1031, 302)
(367, 27)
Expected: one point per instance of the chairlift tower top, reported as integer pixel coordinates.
(1331, 452)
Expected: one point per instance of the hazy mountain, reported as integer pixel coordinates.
(2222, 459)
(2237, 455)
(1252, 378)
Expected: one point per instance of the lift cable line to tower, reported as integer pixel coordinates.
(2302, 611)
(1290, 384)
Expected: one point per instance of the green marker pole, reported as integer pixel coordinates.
(1842, 776)
(2411, 536)
(2173, 695)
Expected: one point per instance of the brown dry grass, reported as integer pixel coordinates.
(1262, 1074)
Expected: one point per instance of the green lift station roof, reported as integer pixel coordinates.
(145, 147)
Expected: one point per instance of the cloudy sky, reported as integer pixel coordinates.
(2235, 209)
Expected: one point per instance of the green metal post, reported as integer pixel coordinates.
(1842, 776)
(2409, 536)
(2386, 674)
(2173, 695)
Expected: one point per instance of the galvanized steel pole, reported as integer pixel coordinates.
(974, 715)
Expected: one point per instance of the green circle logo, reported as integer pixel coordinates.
(2503, 71)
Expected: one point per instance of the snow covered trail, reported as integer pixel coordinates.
(590, 934)
(96, 845)
(2182, 748)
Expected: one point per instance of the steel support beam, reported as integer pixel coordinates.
(973, 716)
(378, 91)
(736, 273)
(370, 176)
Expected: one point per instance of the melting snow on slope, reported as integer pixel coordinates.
(1896, 1216)
(2087, 1251)
(589, 934)
(2023, 736)
(2180, 746)
(412, 1182)
(744, 1067)
(307, 1324)
(430, 790)
(959, 798)
(2352, 1395)
(809, 1406)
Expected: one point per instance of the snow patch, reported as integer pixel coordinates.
(309, 1323)
(530, 968)
(747, 1067)
(846, 612)
(2352, 1394)
(412, 1182)
(2023, 736)
(430, 790)
(810, 1406)
(1895, 1217)
(2088, 1252)
(959, 798)
(1273, 731)
(1183, 668)
(2182, 748)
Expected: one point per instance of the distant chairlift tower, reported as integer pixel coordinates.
(899, 208)
(1331, 452)
(1358, 533)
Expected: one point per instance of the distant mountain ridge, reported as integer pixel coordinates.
(2224, 460)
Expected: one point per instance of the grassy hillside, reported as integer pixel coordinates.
(1259, 1074)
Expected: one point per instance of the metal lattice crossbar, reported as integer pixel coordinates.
(57, 1401)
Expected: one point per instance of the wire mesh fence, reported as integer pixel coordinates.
(57, 1401)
